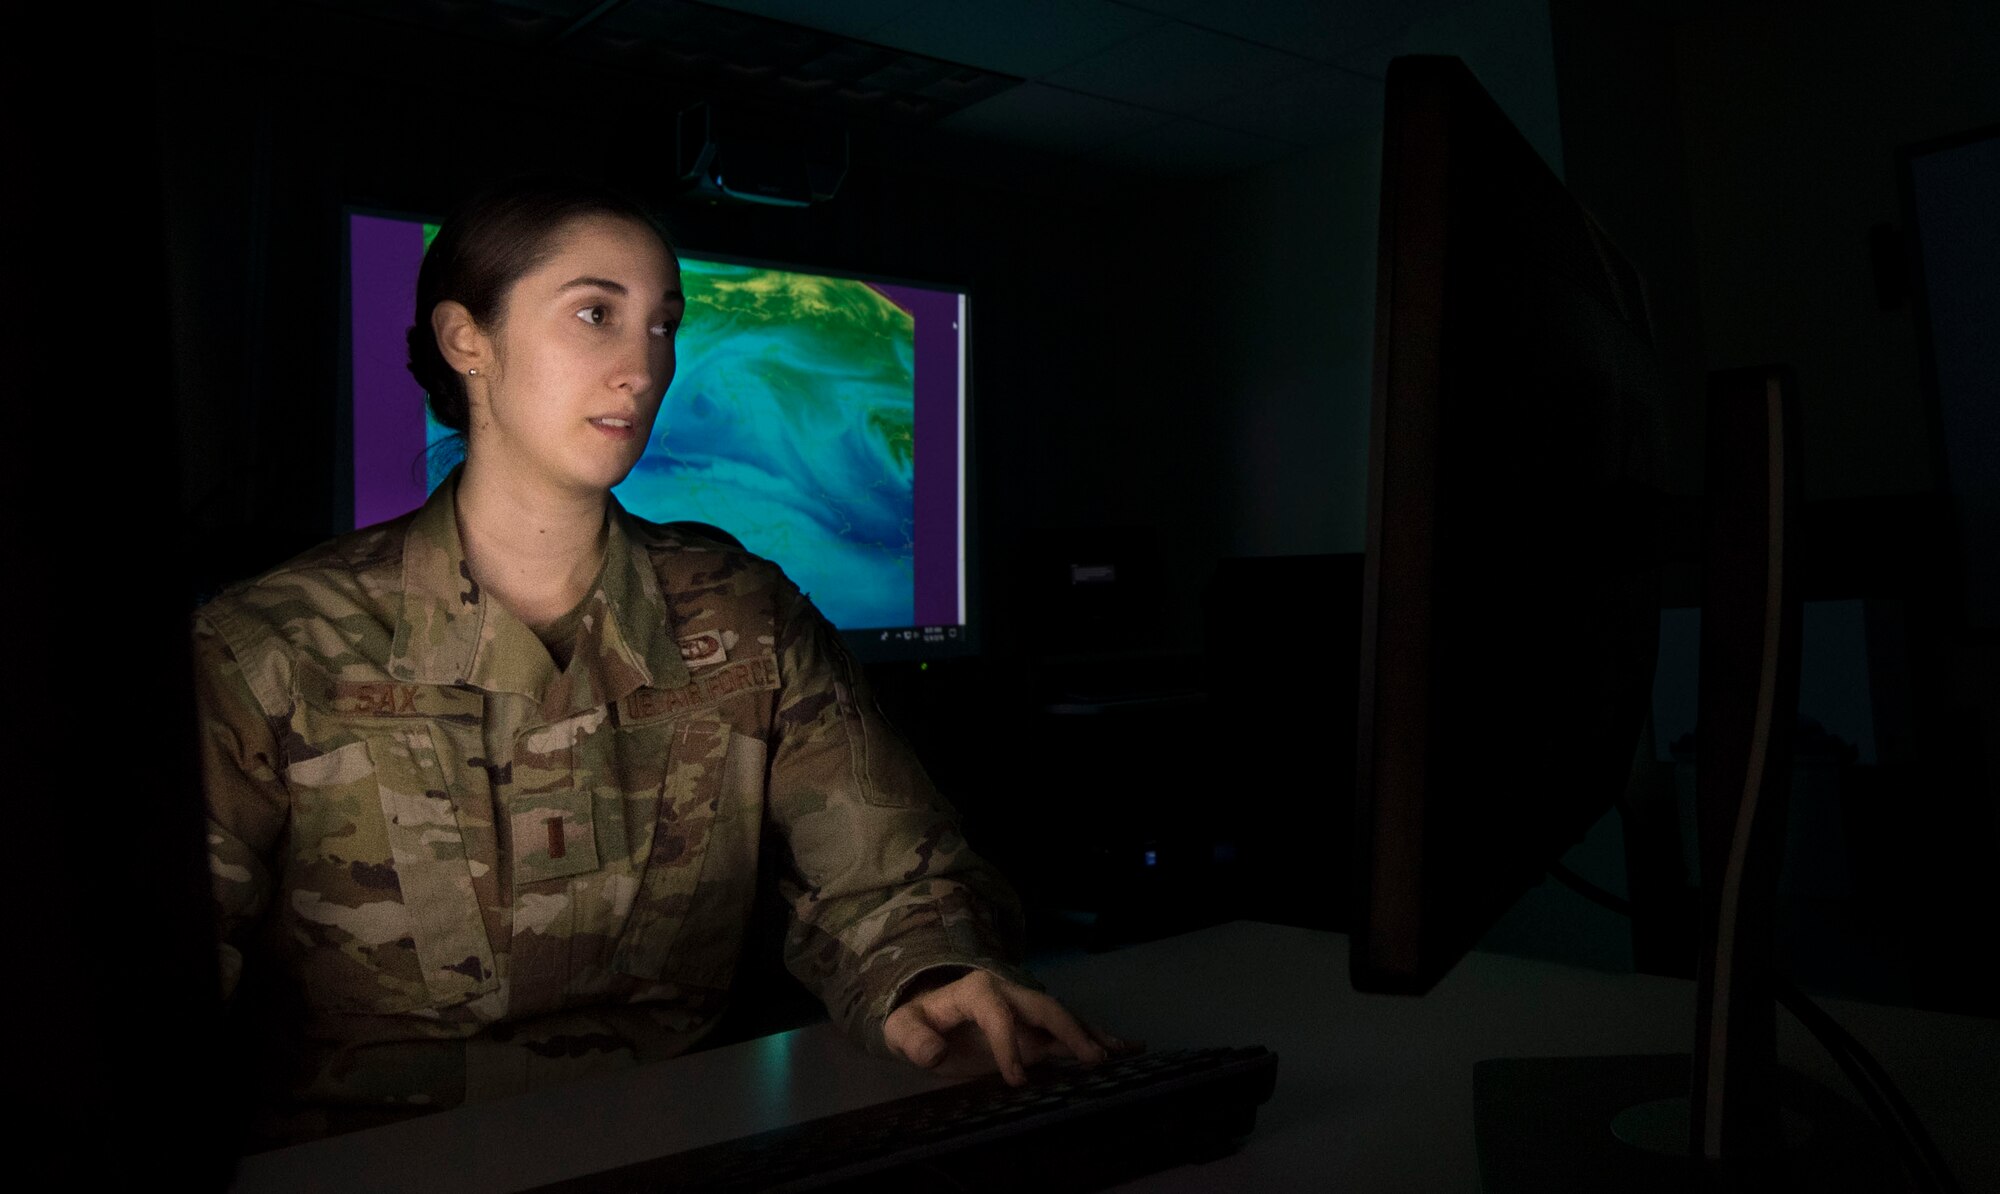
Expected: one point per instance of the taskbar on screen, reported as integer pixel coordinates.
(891, 643)
(918, 635)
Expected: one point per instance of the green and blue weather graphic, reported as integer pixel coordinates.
(790, 424)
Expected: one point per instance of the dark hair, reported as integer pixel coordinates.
(483, 249)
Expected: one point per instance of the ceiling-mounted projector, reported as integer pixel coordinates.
(754, 157)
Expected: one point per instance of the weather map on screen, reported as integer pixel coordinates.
(816, 418)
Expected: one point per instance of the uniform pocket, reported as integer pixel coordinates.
(378, 894)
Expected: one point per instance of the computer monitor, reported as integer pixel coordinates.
(1510, 621)
(1511, 586)
(820, 419)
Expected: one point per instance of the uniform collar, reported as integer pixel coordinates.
(450, 632)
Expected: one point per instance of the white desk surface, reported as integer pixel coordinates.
(1374, 1092)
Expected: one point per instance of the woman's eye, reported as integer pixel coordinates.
(594, 316)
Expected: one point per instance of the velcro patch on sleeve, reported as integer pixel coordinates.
(701, 650)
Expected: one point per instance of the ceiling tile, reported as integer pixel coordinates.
(1373, 62)
(1175, 68)
(1052, 118)
(1316, 28)
(698, 33)
(1189, 147)
(850, 18)
(1165, 8)
(1023, 37)
(1438, 27)
(1314, 107)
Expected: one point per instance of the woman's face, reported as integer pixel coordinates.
(582, 355)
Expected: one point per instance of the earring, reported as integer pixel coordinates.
(472, 373)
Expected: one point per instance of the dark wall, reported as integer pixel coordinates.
(100, 732)
(1742, 152)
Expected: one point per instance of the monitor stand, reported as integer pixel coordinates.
(1725, 1117)
(1621, 1123)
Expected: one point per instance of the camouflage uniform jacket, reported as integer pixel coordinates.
(457, 873)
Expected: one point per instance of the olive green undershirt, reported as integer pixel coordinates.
(559, 636)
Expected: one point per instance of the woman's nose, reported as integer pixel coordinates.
(643, 366)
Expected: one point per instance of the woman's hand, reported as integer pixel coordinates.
(979, 1022)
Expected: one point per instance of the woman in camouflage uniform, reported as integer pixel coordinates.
(487, 782)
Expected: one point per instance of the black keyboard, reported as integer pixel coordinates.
(1071, 1128)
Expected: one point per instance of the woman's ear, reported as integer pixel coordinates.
(464, 345)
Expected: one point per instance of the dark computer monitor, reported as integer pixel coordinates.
(1511, 587)
(1510, 610)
